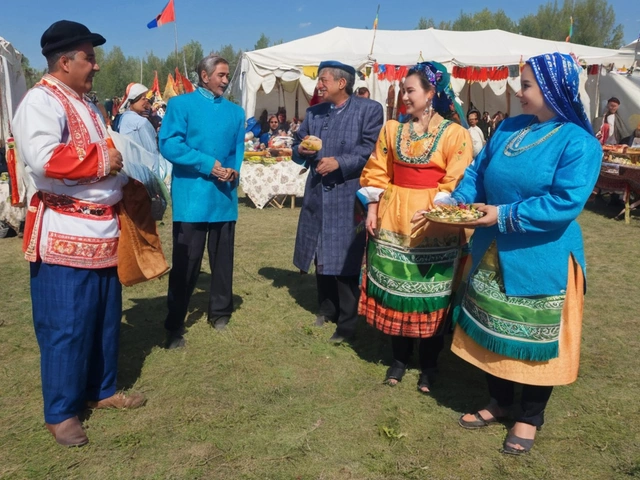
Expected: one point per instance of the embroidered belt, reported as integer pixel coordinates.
(67, 205)
(416, 176)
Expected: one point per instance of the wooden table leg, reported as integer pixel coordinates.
(275, 203)
(293, 201)
(627, 210)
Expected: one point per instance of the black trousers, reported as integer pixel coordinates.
(338, 301)
(533, 401)
(428, 351)
(188, 249)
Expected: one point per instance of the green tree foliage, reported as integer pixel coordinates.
(594, 23)
(263, 42)
(31, 75)
(231, 55)
(549, 23)
(191, 53)
(425, 23)
(484, 20)
(116, 72)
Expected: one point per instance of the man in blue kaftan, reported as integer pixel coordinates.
(328, 235)
(202, 135)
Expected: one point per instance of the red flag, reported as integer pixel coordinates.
(13, 171)
(179, 82)
(188, 86)
(167, 15)
(156, 85)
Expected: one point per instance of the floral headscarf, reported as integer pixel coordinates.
(438, 76)
(558, 76)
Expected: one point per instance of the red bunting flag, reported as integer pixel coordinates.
(156, 85)
(12, 168)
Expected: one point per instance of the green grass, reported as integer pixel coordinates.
(270, 398)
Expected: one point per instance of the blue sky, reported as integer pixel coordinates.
(239, 22)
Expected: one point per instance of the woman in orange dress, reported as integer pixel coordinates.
(521, 316)
(409, 276)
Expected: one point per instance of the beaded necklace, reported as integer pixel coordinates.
(418, 149)
(513, 147)
(414, 136)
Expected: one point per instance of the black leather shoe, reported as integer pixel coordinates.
(220, 323)
(338, 338)
(174, 340)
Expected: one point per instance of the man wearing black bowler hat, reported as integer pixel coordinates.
(71, 234)
(328, 235)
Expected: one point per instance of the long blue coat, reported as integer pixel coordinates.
(327, 228)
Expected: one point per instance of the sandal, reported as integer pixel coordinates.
(395, 373)
(479, 422)
(424, 381)
(525, 443)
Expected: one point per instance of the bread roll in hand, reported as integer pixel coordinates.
(311, 142)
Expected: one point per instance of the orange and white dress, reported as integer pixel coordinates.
(409, 278)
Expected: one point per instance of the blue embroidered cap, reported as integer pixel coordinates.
(338, 65)
(558, 76)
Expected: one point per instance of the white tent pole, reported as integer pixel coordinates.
(597, 113)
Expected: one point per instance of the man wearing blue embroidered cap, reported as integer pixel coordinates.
(327, 233)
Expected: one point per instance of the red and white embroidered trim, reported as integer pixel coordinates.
(78, 132)
(81, 252)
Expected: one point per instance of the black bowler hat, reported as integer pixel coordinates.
(65, 34)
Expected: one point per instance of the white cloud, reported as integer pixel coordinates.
(304, 25)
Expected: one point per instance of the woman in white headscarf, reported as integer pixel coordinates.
(134, 123)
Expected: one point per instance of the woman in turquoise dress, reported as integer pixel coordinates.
(520, 319)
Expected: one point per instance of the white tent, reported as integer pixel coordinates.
(12, 89)
(12, 86)
(275, 76)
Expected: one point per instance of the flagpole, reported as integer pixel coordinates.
(184, 59)
(175, 29)
(375, 29)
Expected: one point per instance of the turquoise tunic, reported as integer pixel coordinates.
(197, 130)
(540, 181)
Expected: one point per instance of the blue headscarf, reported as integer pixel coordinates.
(558, 76)
(444, 97)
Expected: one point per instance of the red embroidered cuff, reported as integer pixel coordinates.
(70, 163)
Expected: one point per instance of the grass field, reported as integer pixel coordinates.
(270, 398)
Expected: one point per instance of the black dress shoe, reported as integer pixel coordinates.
(220, 323)
(174, 340)
(338, 338)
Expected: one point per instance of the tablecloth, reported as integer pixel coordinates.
(622, 179)
(13, 216)
(261, 182)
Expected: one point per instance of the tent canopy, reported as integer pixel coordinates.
(12, 86)
(281, 66)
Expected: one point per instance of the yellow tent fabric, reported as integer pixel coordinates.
(170, 89)
(310, 71)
